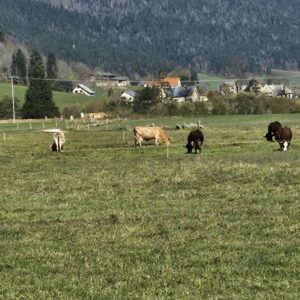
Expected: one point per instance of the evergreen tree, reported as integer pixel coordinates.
(2, 37)
(38, 98)
(147, 98)
(51, 66)
(18, 66)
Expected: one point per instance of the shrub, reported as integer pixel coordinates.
(72, 110)
(6, 108)
(249, 103)
(94, 107)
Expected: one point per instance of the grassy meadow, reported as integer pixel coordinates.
(61, 99)
(104, 220)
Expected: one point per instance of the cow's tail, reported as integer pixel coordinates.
(135, 139)
(58, 143)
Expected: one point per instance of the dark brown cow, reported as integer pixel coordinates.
(284, 136)
(195, 140)
(272, 130)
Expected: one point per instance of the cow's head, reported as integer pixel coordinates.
(269, 136)
(54, 147)
(168, 141)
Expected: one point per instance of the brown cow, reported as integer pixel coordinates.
(195, 140)
(284, 136)
(272, 130)
(150, 133)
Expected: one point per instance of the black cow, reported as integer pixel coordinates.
(195, 140)
(284, 136)
(272, 130)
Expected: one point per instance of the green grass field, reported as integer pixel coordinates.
(104, 220)
(212, 82)
(60, 98)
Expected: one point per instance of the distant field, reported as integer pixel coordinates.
(212, 82)
(104, 220)
(290, 78)
(60, 98)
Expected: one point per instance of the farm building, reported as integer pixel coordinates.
(83, 90)
(181, 94)
(280, 91)
(228, 88)
(167, 82)
(128, 96)
(109, 79)
(173, 82)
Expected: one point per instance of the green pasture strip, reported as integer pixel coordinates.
(61, 99)
(105, 220)
(211, 81)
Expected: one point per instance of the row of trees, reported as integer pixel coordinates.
(38, 97)
(19, 67)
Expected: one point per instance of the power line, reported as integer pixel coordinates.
(156, 80)
(143, 81)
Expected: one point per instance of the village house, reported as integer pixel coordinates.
(228, 88)
(165, 85)
(172, 82)
(128, 96)
(186, 93)
(83, 90)
(281, 91)
(121, 81)
(272, 90)
(109, 80)
(167, 82)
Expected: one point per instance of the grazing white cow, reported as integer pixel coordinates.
(149, 133)
(58, 141)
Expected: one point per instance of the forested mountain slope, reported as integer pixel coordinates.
(141, 36)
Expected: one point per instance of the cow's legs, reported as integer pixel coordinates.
(157, 140)
(56, 144)
(138, 141)
(198, 147)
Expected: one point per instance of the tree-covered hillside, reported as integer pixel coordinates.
(134, 36)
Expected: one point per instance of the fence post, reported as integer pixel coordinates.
(167, 152)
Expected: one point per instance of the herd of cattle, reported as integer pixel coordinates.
(195, 139)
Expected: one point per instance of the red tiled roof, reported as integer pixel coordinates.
(172, 81)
